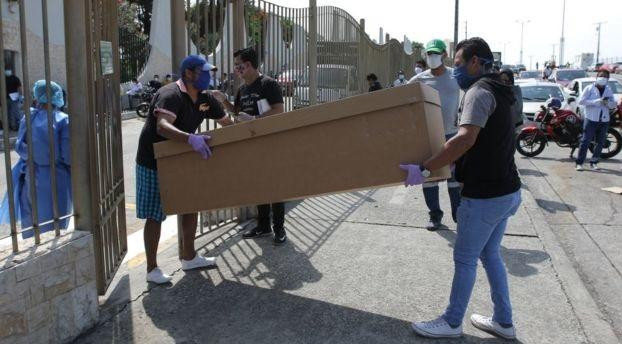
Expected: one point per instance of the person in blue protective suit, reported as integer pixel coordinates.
(42, 164)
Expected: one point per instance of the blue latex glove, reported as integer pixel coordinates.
(199, 144)
(414, 175)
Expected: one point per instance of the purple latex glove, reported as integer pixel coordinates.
(414, 175)
(199, 144)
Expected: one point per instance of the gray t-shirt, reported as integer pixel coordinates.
(477, 105)
(448, 90)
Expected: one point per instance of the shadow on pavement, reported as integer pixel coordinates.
(517, 261)
(531, 172)
(196, 310)
(555, 207)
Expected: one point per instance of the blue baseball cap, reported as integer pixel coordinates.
(195, 61)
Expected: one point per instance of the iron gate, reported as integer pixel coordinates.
(94, 78)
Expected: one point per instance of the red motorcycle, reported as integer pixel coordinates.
(564, 128)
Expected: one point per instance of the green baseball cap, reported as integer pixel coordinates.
(435, 46)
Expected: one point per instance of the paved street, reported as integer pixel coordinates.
(359, 267)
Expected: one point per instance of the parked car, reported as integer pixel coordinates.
(507, 66)
(576, 87)
(613, 67)
(521, 68)
(334, 82)
(288, 81)
(536, 93)
(532, 74)
(595, 67)
(565, 76)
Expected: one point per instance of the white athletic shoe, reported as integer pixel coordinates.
(486, 324)
(158, 277)
(579, 168)
(438, 328)
(198, 262)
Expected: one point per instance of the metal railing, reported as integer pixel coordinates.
(134, 51)
(29, 176)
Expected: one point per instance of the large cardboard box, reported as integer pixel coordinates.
(352, 144)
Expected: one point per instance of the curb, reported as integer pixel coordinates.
(592, 321)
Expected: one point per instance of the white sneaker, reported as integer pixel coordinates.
(158, 277)
(198, 262)
(486, 324)
(595, 167)
(579, 168)
(438, 328)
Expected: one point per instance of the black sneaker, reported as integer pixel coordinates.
(434, 225)
(279, 236)
(257, 232)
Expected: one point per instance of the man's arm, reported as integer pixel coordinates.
(274, 110)
(454, 148)
(222, 98)
(583, 99)
(168, 130)
(225, 121)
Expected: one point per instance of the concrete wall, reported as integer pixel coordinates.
(48, 292)
(34, 24)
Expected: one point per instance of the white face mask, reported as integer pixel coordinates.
(434, 61)
(418, 70)
(401, 76)
(601, 81)
(8, 72)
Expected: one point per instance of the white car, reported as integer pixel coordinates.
(536, 93)
(576, 87)
(334, 82)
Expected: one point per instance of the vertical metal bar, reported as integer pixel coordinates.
(28, 114)
(4, 110)
(178, 45)
(48, 95)
(313, 29)
(187, 21)
(197, 17)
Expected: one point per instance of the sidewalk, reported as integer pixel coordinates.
(358, 268)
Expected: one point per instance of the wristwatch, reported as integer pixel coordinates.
(424, 172)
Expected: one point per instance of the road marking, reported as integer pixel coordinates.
(399, 195)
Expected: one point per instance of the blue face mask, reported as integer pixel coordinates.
(202, 83)
(464, 79)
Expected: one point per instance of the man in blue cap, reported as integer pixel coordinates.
(176, 112)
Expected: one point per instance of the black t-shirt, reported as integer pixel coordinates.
(375, 87)
(12, 84)
(155, 84)
(249, 95)
(171, 99)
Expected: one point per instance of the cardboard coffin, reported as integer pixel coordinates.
(352, 144)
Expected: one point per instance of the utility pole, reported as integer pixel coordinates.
(466, 35)
(456, 26)
(531, 62)
(522, 31)
(553, 55)
(598, 28)
(561, 40)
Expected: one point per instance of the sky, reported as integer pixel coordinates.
(496, 22)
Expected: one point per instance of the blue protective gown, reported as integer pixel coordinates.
(42, 171)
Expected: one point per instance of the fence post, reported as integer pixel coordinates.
(312, 52)
(238, 32)
(362, 58)
(80, 105)
(178, 34)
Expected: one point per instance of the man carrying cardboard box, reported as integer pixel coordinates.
(483, 151)
(441, 79)
(176, 112)
(259, 96)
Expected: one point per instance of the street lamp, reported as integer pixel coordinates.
(522, 31)
(562, 39)
(598, 26)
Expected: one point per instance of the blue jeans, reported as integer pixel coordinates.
(592, 131)
(481, 225)
(430, 194)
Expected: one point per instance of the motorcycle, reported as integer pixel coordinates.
(145, 101)
(565, 128)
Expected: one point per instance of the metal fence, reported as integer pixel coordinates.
(134, 51)
(317, 54)
(27, 186)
